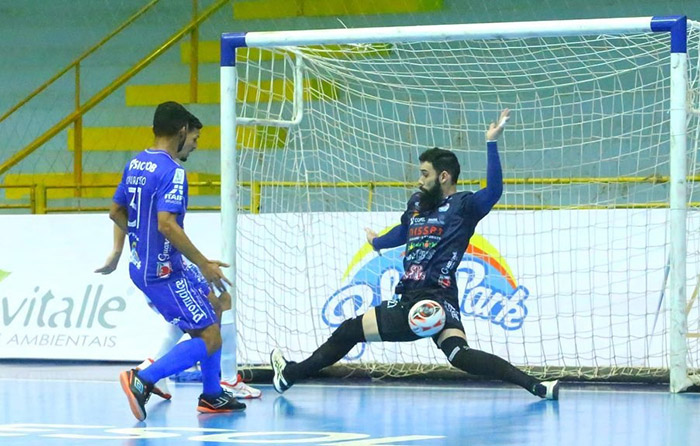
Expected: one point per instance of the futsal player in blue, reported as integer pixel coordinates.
(149, 205)
(231, 380)
(436, 228)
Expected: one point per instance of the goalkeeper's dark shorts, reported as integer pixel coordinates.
(392, 316)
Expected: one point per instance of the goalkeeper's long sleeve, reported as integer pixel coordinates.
(484, 199)
(395, 237)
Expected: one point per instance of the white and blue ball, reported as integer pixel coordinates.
(426, 318)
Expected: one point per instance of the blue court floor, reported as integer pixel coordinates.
(77, 410)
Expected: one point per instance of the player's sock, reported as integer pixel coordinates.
(229, 369)
(481, 363)
(211, 370)
(183, 355)
(338, 345)
(145, 364)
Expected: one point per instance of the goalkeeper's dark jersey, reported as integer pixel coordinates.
(436, 239)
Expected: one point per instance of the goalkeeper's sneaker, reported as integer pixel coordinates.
(223, 403)
(278, 365)
(161, 387)
(239, 389)
(137, 392)
(552, 389)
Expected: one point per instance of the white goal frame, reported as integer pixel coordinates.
(676, 26)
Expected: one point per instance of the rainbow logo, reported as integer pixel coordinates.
(487, 286)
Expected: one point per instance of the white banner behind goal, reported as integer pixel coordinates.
(519, 297)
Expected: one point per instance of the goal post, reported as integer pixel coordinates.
(601, 127)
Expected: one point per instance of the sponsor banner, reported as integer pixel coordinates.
(552, 288)
(52, 304)
(540, 288)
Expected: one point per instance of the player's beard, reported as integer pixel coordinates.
(180, 148)
(430, 198)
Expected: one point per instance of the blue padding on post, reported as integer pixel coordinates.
(677, 25)
(229, 43)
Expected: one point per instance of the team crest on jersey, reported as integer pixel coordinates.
(444, 281)
(164, 269)
(179, 177)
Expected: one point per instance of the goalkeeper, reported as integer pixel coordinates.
(436, 228)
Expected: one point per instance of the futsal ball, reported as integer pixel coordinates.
(426, 318)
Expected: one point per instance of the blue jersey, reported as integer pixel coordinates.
(152, 182)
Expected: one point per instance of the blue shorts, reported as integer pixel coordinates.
(182, 299)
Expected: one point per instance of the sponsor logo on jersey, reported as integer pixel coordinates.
(417, 231)
(415, 272)
(165, 255)
(176, 193)
(149, 166)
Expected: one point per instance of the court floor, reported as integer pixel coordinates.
(77, 409)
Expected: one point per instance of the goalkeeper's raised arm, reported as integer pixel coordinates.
(483, 200)
(486, 198)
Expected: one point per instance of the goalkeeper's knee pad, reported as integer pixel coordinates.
(456, 349)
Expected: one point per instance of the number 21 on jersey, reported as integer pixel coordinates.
(135, 204)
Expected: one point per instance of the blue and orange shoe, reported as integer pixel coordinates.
(223, 403)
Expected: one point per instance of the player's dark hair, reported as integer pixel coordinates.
(194, 123)
(169, 118)
(442, 160)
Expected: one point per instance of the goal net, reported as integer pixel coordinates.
(568, 276)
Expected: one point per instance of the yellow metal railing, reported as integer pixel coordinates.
(75, 117)
(39, 197)
(75, 65)
(32, 197)
(194, 55)
(39, 193)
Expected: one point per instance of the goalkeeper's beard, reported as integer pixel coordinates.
(430, 198)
